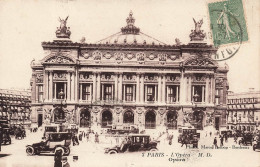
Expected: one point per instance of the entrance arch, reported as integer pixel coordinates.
(197, 119)
(172, 119)
(84, 118)
(150, 120)
(59, 115)
(107, 118)
(128, 117)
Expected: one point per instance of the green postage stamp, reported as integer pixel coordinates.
(227, 22)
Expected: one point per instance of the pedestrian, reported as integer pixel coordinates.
(215, 143)
(65, 162)
(80, 137)
(226, 138)
(221, 140)
(57, 158)
(96, 138)
(87, 137)
(117, 138)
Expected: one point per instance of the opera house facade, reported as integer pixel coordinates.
(129, 78)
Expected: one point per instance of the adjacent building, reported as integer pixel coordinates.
(243, 110)
(15, 107)
(129, 78)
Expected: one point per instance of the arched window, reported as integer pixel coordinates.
(172, 120)
(150, 120)
(128, 117)
(85, 118)
(106, 118)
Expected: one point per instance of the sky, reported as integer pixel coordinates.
(24, 24)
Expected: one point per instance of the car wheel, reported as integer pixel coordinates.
(154, 149)
(112, 152)
(59, 148)
(30, 150)
(66, 151)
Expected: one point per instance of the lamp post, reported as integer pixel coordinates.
(60, 117)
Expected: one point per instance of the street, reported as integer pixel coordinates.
(91, 154)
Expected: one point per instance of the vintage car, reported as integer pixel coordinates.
(132, 143)
(189, 135)
(246, 139)
(123, 129)
(6, 139)
(54, 141)
(50, 129)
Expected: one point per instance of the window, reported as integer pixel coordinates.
(60, 87)
(108, 91)
(151, 93)
(198, 93)
(40, 93)
(172, 93)
(129, 92)
(86, 92)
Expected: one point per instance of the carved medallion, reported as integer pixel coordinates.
(97, 55)
(130, 56)
(107, 55)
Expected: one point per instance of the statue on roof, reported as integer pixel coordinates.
(130, 28)
(197, 34)
(63, 31)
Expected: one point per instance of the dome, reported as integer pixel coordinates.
(130, 34)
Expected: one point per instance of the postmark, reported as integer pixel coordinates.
(228, 27)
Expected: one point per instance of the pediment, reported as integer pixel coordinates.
(199, 62)
(58, 58)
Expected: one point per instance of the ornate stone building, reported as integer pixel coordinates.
(243, 111)
(129, 78)
(15, 107)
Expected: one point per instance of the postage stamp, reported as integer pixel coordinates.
(227, 22)
(228, 27)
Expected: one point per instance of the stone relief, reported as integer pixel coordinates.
(140, 56)
(59, 60)
(97, 55)
(152, 56)
(199, 62)
(59, 76)
(108, 55)
(85, 76)
(130, 56)
(173, 78)
(39, 78)
(162, 57)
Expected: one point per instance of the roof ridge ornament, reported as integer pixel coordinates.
(63, 31)
(130, 28)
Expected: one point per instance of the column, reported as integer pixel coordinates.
(51, 86)
(80, 91)
(167, 94)
(69, 88)
(177, 93)
(145, 93)
(160, 89)
(46, 85)
(207, 90)
(65, 91)
(137, 87)
(94, 87)
(163, 88)
(182, 88)
(73, 86)
(189, 87)
(120, 87)
(103, 92)
(134, 94)
(203, 90)
(37, 93)
(213, 89)
(116, 87)
(156, 89)
(98, 86)
(55, 90)
(76, 85)
(142, 88)
(124, 92)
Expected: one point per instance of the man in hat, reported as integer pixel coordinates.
(65, 162)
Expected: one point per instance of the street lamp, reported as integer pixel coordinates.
(60, 116)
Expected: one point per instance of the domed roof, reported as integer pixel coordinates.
(130, 34)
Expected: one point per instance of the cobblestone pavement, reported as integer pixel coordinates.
(91, 154)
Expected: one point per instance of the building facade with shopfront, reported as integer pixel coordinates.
(243, 111)
(128, 79)
(15, 107)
